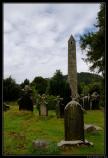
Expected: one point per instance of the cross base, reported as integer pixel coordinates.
(74, 143)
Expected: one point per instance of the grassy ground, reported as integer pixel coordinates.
(21, 128)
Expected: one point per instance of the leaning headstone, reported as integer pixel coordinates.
(43, 111)
(26, 101)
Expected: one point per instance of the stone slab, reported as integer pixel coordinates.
(91, 128)
(39, 144)
(74, 142)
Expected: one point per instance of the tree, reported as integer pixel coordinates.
(95, 87)
(94, 43)
(58, 86)
(26, 82)
(11, 90)
(40, 84)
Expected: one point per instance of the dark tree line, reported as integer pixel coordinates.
(56, 86)
(11, 90)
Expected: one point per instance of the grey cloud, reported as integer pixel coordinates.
(36, 35)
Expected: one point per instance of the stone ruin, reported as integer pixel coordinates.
(25, 102)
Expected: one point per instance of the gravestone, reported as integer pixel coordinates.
(74, 122)
(95, 98)
(59, 107)
(26, 101)
(43, 111)
(85, 102)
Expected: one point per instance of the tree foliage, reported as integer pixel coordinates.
(95, 87)
(58, 86)
(26, 82)
(87, 78)
(11, 90)
(40, 84)
(94, 43)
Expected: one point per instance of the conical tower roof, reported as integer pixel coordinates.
(71, 38)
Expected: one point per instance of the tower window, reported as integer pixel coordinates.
(71, 42)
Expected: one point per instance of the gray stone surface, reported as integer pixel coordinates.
(91, 128)
(72, 68)
(43, 108)
(73, 143)
(58, 107)
(73, 121)
(39, 144)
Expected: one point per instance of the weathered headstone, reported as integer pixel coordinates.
(85, 102)
(26, 101)
(59, 107)
(74, 123)
(43, 111)
(95, 98)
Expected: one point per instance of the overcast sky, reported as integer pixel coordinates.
(36, 35)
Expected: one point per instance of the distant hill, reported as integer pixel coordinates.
(87, 78)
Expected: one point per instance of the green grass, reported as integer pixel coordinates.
(21, 128)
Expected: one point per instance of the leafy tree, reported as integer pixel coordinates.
(95, 87)
(87, 78)
(26, 82)
(58, 86)
(94, 43)
(40, 84)
(11, 90)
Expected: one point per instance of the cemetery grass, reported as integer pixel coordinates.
(20, 128)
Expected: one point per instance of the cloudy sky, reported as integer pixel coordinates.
(36, 35)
